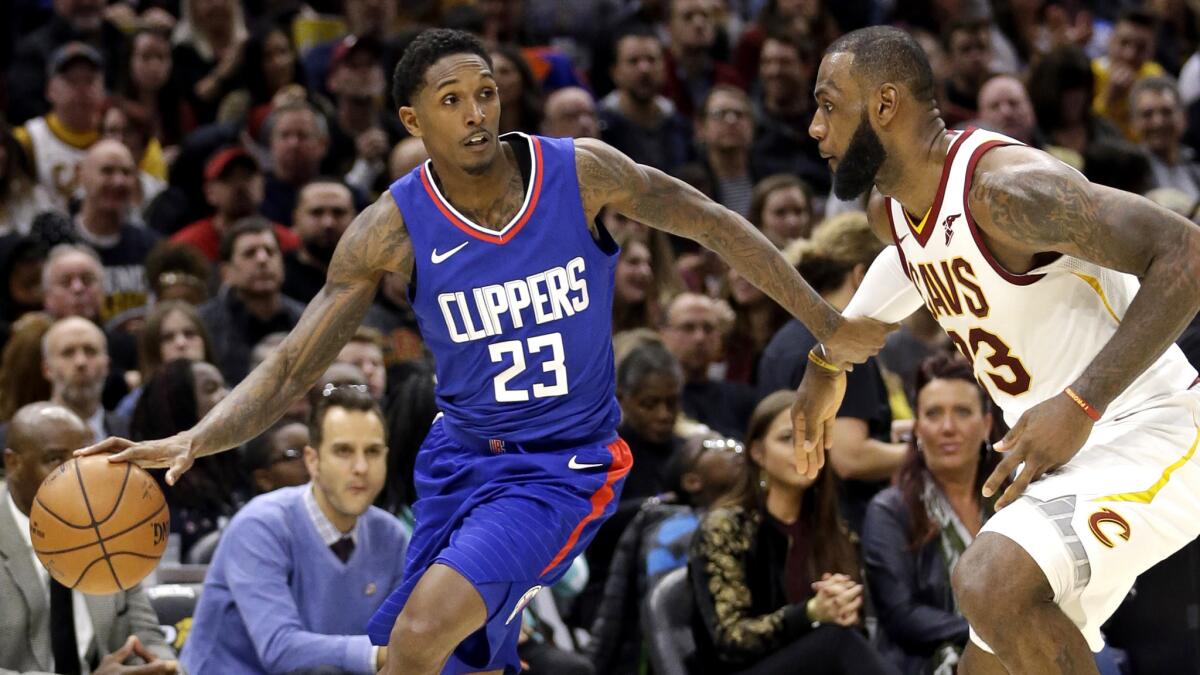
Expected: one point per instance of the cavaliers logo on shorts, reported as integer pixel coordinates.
(1107, 515)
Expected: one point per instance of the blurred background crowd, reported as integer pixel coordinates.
(175, 176)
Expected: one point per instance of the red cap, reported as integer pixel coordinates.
(221, 161)
(352, 43)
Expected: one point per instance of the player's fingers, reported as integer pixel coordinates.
(1011, 438)
(1003, 470)
(178, 467)
(110, 444)
(1017, 487)
(142, 454)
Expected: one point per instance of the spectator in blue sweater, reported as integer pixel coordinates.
(300, 570)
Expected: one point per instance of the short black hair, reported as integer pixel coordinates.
(247, 225)
(349, 397)
(427, 49)
(887, 54)
(1139, 16)
(652, 358)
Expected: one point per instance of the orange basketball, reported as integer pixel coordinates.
(99, 527)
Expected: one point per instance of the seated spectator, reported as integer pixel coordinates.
(299, 142)
(968, 43)
(725, 133)
(57, 141)
(22, 379)
(365, 351)
(146, 78)
(276, 458)
(781, 141)
(1004, 107)
(916, 530)
(691, 70)
(42, 621)
(1158, 122)
(177, 272)
(21, 263)
(635, 118)
(268, 65)
(22, 197)
(834, 262)
(323, 212)
(300, 570)
(775, 576)
(173, 330)
(1130, 59)
(756, 319)
(656, 542)
(782, 207)
(635, 298)
(692, 331)
(410, 412)
(208, 52)
(109, 180)
(250, 305)
(130, 124)
(570, 113)
(233, 186)
(362, 129)
(1061, 86)
(73, 282)
(75, 361)
(520, 95)
(206, 497)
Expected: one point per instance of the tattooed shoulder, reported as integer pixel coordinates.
(376, 242)
(604, 173)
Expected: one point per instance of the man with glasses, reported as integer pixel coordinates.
(691, 332)
(300, 570)
(725, 132)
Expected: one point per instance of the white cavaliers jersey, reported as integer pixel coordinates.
(1029, 336)
(54, 161)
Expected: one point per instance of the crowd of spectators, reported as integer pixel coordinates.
(176, 174)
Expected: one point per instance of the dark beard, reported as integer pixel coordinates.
(856, 172)
(320, 251)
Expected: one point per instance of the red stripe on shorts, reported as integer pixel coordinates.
(622, 462)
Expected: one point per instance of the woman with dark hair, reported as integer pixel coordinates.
(410, 412)
(172, 330)
(133, 126)
(146, 80)
(181, 392)
(635, 298)
(269, 63)
(520, 94)
(21, 261)
(756, 319)
(781, 205)
(916, 530)
(22, 379)
(21, 197)
(775, 576)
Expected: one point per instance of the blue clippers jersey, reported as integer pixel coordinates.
(519, 321)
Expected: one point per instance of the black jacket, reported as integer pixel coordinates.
(910, 589)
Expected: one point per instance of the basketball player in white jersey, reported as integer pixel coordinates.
(1067, 297)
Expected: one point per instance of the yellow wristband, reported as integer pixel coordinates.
(812, 356)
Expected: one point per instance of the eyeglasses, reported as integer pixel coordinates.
(288, 454)
(728, 114)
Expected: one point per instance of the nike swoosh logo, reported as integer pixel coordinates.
(574, 464)
(438, 258)
(902, 239)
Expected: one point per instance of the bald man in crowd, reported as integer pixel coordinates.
(570, 112)
(44, 626)
(1004, 107)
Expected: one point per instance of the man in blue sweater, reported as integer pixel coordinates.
(299, 571)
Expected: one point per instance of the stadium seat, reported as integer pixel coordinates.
(667, 618)
(174, 604)
(203, 550)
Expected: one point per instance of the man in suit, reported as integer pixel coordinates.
(44, 626)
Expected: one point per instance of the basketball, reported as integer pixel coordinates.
(99, 527)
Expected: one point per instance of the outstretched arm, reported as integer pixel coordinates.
(609, 178)
(376, 242)
(1027, 203)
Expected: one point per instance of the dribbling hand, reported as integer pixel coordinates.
(817, 402)
(1046, 437)
(174, 453)
(857, 339)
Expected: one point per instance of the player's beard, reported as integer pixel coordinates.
(856, 172)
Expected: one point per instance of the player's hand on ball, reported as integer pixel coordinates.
(174, 453)
(856, 340)
(817, 402)
(114, 663)
(1046, 437)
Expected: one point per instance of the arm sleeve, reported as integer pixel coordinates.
(892, 573)
(259, 562)
(143, 622)
(886, 293)
(723, 599)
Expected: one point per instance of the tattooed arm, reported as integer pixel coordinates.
(376, 242)
(1027, 205)
(609, 178)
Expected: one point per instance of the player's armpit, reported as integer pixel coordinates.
(1026, 202)
(375, 243)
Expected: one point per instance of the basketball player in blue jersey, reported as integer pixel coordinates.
(511, 280)
(1067, 297)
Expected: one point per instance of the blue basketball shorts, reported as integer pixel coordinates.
(509, 518)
